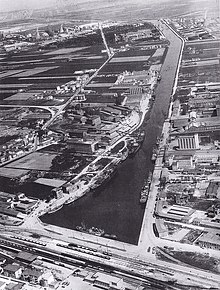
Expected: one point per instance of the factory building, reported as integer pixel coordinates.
(188, 142)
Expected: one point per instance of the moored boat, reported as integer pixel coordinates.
(146, 188)
(102, 180)
(133, 149)
(154, 154)
(110, 236)
(135, 144)
(53, 210)
(93, 230)
(158, 141)
(143, 199)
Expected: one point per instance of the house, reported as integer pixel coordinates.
(14, 286)
(2, 285)
(13, 270)
(47, 278)
(32, 275)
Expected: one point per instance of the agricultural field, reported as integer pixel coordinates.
(200, 64)
(35, 98)
(45, 69)
(136, 51)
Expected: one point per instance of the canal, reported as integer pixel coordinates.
(116, 208)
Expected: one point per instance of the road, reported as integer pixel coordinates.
(71, 99)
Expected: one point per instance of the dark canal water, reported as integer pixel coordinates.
(116, 208)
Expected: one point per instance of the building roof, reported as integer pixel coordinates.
(107, 278)
(161, 228)
(80, 284)
(12, 172)
(121, 108)
(13, 286)
(182, 157)
(94, 117)
(111, 98)
(112, 109)
(8, 211)
(2, 283)
(77, 130)
(25, 206)
(213, 187)
(32, 272)
(12, 268)
(212, 237)
(25, 256)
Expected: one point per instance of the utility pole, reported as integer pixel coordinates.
(37, 34)
(205, 17)
(218, 8)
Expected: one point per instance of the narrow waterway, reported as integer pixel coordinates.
(116, 208)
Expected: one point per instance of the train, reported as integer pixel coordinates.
(84, 250)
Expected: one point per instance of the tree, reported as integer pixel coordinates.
(49, 31)
(163, 181)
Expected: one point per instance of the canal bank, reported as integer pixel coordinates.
(116, 208)
(174, 56)
(147, 237)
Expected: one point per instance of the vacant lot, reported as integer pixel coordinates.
(202, 261)
(130, 58)
(34, 161)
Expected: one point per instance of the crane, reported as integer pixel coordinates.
(104, 40)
